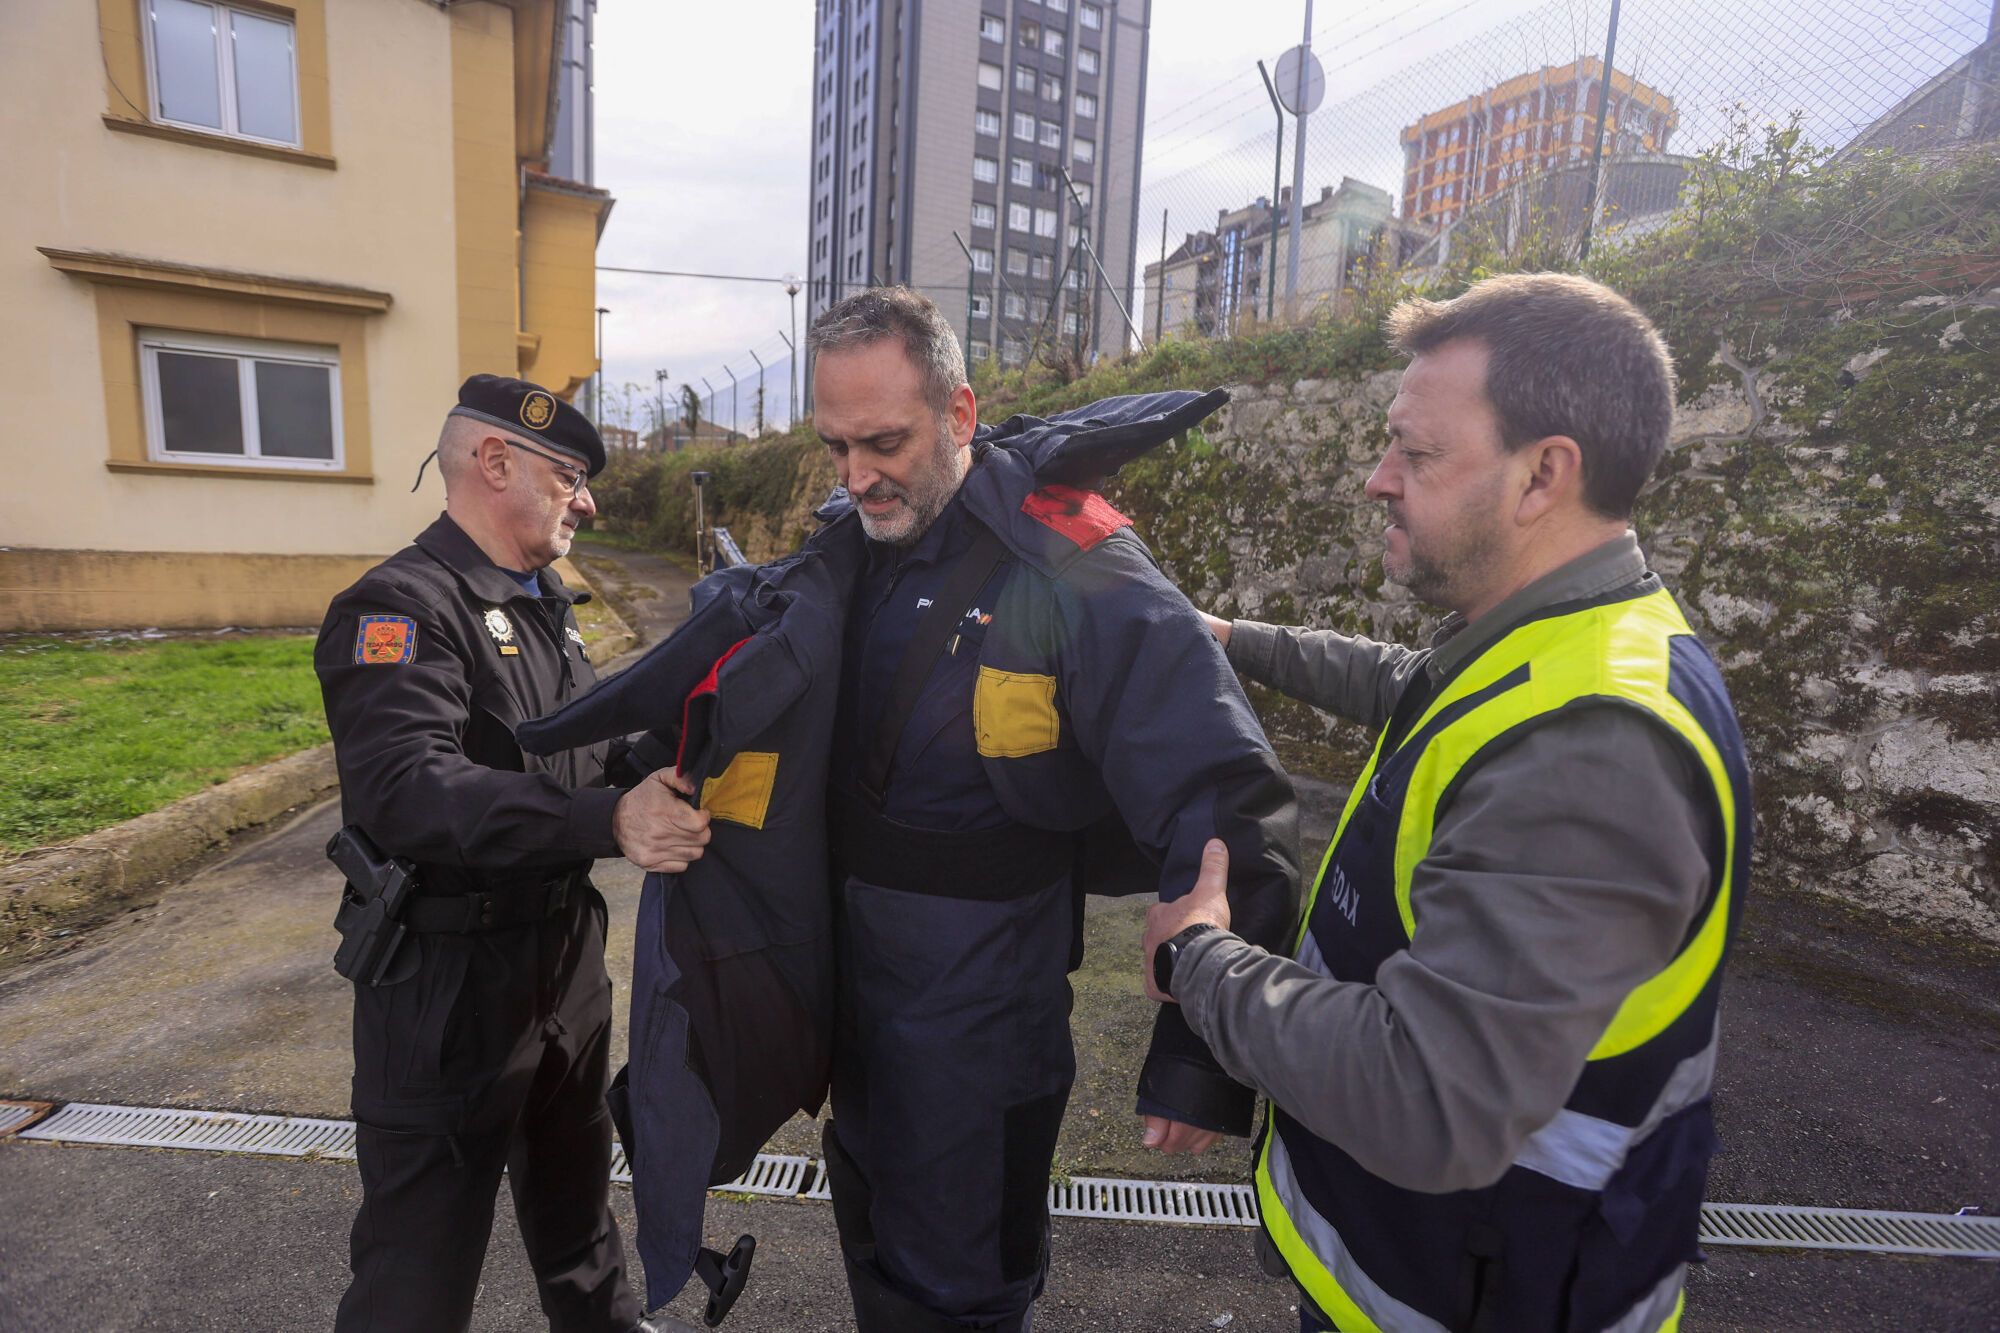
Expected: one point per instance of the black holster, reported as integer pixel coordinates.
(372, 904)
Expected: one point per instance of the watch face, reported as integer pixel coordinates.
(1163, 966)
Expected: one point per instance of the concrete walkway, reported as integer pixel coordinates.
(1857, 1071)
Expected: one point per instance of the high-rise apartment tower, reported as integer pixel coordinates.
(1014, 123)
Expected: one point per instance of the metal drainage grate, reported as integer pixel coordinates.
(1783, 1226)
(1155, 1201)
(1772, 1226)
(14, 1115)
(212, 1131)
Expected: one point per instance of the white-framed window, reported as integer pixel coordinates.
(1052, 87)
(1041, 267)
(982, 215)
(1074, 280)
(985, 170)
(1084, 150)
(992, 28)
(1030, 33)
(1069, 323)
(1014, 306)
(987, 123)
(1017, 263)
(1086, 60)
(1052, 42)
(1086, 106)
(1021, 171)
(980, 350)
(1013, 351)
(230, 71)
(1024, 80)
(233, 401)
(1091, 17)
(982, 305)
(1038, 309)
(982, 260)
(991, 75)
(1057, 6)
(1051, 134)
(1018, 217)
(1045, 222)
(1024, 126)
(1083, 194)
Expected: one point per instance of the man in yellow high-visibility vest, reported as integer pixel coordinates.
(1489, 1056)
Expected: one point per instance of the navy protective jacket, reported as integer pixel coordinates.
(1153, 750)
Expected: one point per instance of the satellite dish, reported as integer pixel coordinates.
(1288, 82)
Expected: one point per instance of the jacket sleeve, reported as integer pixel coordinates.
(1345, 675)
(1155, 706)
(398, 740)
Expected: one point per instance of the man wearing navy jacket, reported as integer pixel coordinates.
(1062, 688)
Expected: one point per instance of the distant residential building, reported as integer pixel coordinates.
(251, 251)
(618, 437)
(934, 117)
(1216, 281)
(1547, 118)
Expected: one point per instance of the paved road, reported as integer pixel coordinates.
(1857, 1070)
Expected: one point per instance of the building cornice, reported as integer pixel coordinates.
(163, 275)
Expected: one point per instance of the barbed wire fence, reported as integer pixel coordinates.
(1431, 140)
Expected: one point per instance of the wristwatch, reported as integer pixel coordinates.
(1169, 953)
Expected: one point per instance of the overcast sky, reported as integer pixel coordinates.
(704, 117)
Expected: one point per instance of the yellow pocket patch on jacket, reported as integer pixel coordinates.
(1014, 714)
(741, 793)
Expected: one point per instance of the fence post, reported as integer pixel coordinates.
(1597, 153)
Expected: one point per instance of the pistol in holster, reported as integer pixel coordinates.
(370, 919)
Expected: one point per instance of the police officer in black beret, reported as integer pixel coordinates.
(486, 1044)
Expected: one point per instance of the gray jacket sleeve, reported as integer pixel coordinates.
(1346, 675)
(1565, 871)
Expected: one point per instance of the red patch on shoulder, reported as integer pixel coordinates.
(1085, 517)
(385, 641)
(709, 684)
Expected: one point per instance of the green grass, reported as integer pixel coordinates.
(96, 731)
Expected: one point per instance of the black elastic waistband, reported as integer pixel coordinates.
(498, 909)
(984, 865)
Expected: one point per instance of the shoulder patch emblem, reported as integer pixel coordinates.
(1085, 517)
(574, 637)
(497, 624)
(385, 641)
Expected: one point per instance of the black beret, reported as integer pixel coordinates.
(521, 408)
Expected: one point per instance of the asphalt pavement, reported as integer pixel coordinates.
(1859, 1069)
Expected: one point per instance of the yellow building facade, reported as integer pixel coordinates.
(250, 251)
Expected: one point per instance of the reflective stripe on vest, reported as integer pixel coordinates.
(1618, 653)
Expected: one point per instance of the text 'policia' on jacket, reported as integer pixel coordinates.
(1591, 1227)
(733, 988)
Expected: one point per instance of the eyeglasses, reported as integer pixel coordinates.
(575, 479)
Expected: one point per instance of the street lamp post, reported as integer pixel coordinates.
(597, 391)
(792, 290)
(760, 392)
(660, 393)
(792, 406)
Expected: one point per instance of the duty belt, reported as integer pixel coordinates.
(468, 913)
(987, 865)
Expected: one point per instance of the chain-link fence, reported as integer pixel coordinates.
(1451, 124)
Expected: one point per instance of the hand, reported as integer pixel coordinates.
(656, 829)
(1207, 901)
(1218, 627)
(1171, 1136)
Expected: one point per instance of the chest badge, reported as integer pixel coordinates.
(574, 637)
(497, 624)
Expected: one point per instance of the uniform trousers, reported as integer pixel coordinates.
(494, 1054)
